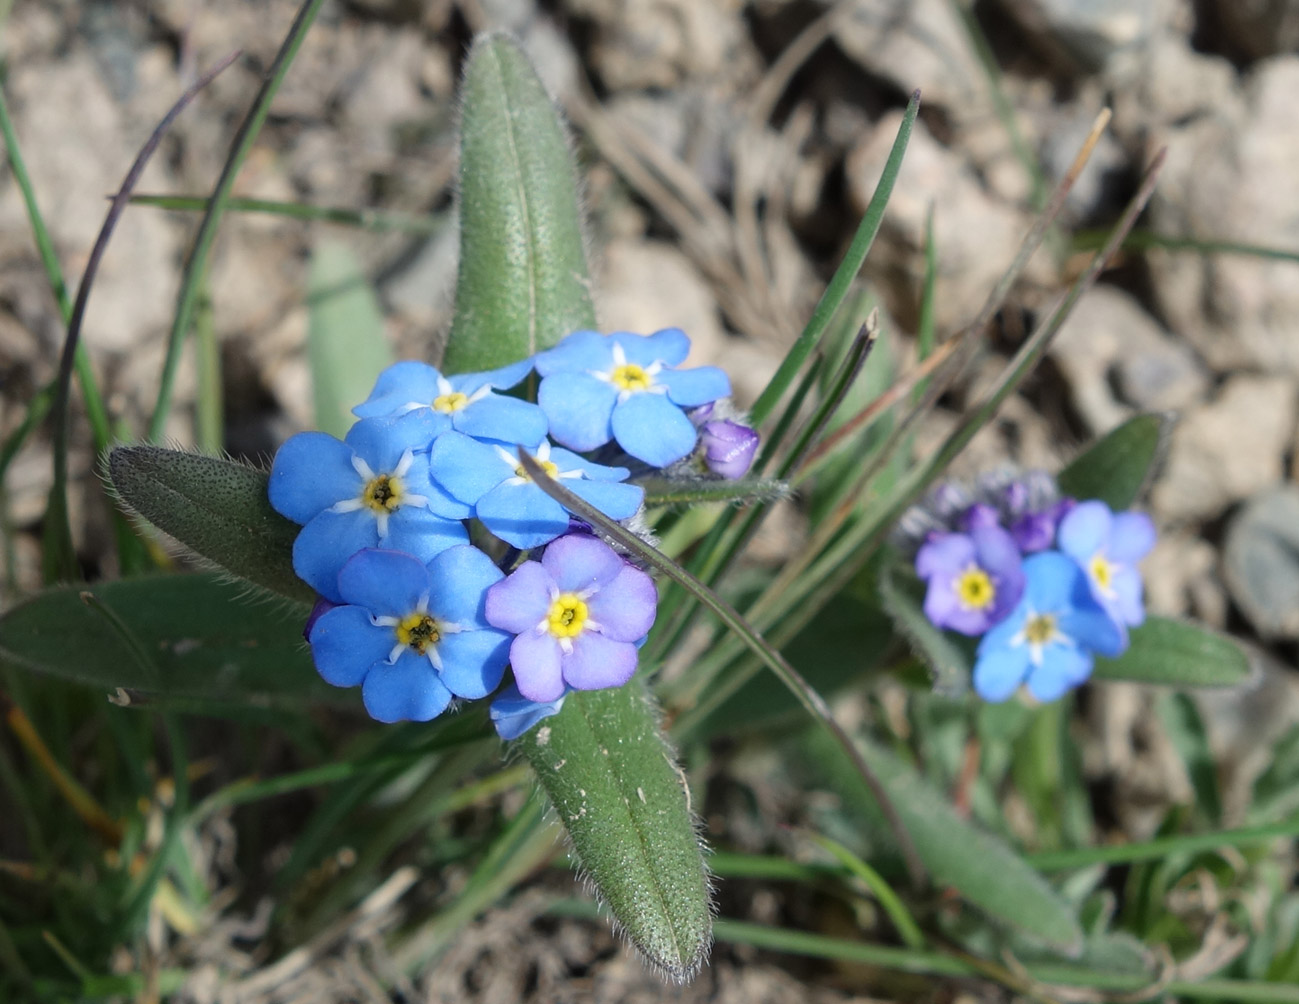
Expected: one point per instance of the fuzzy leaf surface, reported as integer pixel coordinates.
(1169, 652)
(1118, 466)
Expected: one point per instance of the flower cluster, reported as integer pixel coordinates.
(1048, 582)
(418, 616)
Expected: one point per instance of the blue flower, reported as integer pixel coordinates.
(513, 714)
(412, 635)
(487, 476)
(1050, 638)
(416, 393)
(577, 615)
(372, 489)
(974, 579)
(595, 388)
(1107, 546)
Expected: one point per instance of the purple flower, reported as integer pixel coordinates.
(1048, 641)
(625, 387)
(1107, 546)
(728, 447)
(412, 635)
(513, 714)
(974, 579)
(372, 489)
(416, 394)
(488, 478)
(576, 614)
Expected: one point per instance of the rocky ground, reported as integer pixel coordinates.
(729, 148)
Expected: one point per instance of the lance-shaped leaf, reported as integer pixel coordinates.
(1118, 466)
(216, 508)
(612, 780)
(1165, 651)
(523, 281)
(699, 491)
(345, 338)
(193, 639)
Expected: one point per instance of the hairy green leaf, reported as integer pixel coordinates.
(345, 337)
(216, 508)
(1117, 467)
(1165, 651)
(523, 280)
(614, 784)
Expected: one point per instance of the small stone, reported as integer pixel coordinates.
(1226, 450)
(1261, 560)
(1090, 30)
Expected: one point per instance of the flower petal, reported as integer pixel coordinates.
(506, 419)
(522, 515)
(502, 379)
(597, 662)
(1095, 630)
(625, 609)
(1126, 603)
(668, 346)
(945, 554)
(653, 429)
(325, 544)
(386, 583)
(1053, 582)
(999, 672)
(577, 561)
(1132, 535)
(408, 690)
(614, 499)
(513, 714)
(535, 658)
(312, 471)
(466, 468)
(576, 353)
(693, 387)
(422, 533)
(381, 442)
(1084, 530)
(1062, 669)
(521, 601)
(473, 662)
(567, 460)
(460, 578)
(345, 644)
(399, 385)
(578, 407)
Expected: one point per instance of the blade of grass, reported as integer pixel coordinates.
(369, 219)
(196, 266)
(888, 900)
(1161, 847)
(843, 277)
(59, 558)
(1143, 240)
(209, 419)
(812, 701)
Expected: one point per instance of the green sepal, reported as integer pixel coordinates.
(176, 639)
(523, 282)
(217, 508)
(1117, 467)
(346, 344)
(1169, 652)
(616, 788)
(948, 657)
(661, 491)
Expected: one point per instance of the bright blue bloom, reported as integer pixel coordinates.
(1107, 546)
(412, 635)
(625, 387)
(513, 714)
(415, 392)
(1050, 638)
(974, 579)
(577, 615)
(487, 476)
(372, 489)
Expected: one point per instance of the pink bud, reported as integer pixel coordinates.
(728, 447)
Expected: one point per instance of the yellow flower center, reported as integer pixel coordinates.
(974, 589)
(447, 403)
(382, 494)
(1040, 629)
(1102, 572)
(629, 376)
(419, 631)
(568, 616)
(549, 466)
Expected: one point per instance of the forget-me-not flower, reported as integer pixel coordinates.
(973, 579)
(513, 714)
(488, 477)
(415, 392)
(577, 615)
(626, 387)
(370, 489)
(1050, 639)
(1107, 546)
(412, 635)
